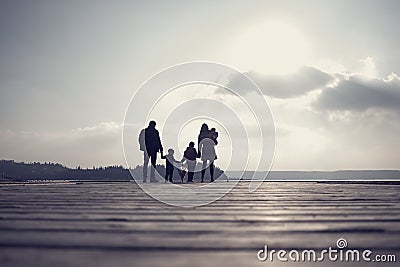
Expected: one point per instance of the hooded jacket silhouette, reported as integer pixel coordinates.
(152, 140)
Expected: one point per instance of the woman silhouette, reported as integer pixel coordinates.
(206, 150)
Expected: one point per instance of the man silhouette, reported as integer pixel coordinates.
(150, 144)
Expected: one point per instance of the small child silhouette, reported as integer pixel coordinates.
(190, 156)
(169, 167)
(214, 135)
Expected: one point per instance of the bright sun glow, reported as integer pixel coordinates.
(271, 47)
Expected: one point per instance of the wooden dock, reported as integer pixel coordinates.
(117, 224)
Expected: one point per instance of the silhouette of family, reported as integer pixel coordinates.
(150, 144)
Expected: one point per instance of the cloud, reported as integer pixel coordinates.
(353, 93)
(306, 79)
(352, 123)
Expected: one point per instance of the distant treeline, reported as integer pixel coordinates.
(14, 171)
(11, 170)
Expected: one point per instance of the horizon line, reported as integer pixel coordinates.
(272, 170)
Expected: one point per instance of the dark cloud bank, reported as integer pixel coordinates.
(355, 94)
(339, 92)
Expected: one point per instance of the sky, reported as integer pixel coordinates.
(329, 71)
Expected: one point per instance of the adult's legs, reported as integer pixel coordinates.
(203, 170)
(145, 165)
(153, 160)
(212, 171)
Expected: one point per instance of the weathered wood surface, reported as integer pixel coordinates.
(117, 224)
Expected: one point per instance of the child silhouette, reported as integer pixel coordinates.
(190, 156)
(169, 167)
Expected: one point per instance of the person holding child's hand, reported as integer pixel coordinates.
(169, 164)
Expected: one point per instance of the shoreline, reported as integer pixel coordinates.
(318, 181)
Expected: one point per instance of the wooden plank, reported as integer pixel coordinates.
(117, 224)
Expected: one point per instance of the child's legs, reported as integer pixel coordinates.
(191, 167)
(171, 174)
(169, 168)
